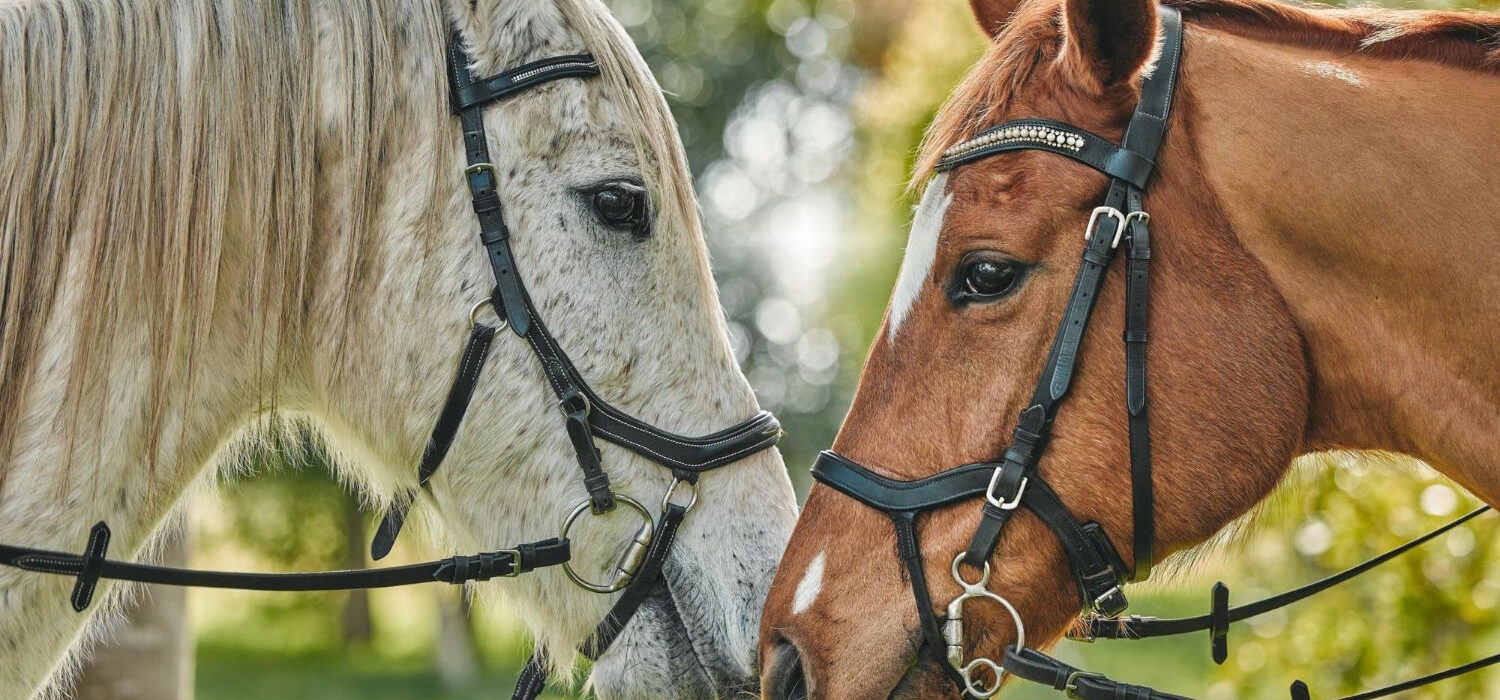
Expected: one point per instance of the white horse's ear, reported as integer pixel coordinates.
(993, 15)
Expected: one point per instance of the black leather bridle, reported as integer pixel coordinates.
(1097, 569)
(586, 416)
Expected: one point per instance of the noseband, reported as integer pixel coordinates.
(585, 415)
(1097, 569)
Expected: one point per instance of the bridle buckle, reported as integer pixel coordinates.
(478, 169)
(1070, 686)
(1120, 219)
(1000, 502)
(1111, 602)
(515, 562)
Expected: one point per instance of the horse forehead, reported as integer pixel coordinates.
(921, 250)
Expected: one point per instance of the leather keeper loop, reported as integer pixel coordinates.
(1218, 630)
(92, 565)
(494, 236)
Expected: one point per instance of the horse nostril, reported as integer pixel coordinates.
(787, 682)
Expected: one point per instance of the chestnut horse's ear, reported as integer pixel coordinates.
(1108, 41)
(993, 15)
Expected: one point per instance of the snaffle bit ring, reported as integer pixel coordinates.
(630, 559)
(474, 314)
(975, 686)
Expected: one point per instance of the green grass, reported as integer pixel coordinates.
(229, 675)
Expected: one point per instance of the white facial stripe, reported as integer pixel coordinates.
(921, 250)
(809, 587)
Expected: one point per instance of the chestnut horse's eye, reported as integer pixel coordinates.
(622, 205)
(986, 279)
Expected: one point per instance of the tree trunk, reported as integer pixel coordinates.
(356, 613)
(150, 658)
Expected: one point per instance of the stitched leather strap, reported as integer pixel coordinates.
(478, 93)
(1096, 151)
(92, 566)
(909, 550)
(1034, 666)
(891, 495)
(1142, 493)
(471, 364)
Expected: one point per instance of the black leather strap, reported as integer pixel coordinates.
(1300, 692)
(909, 551)
(1096, 151)
(646, 579)
(1142, 493)
(1034, 666)
(470, 365)
(91, 566)
(1139, 627)
(479, 93)
(891, 495)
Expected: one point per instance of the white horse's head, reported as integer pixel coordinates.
(320, 263)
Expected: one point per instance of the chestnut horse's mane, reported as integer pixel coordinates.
(1465, 39)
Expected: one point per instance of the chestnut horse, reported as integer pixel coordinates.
(1323, 209)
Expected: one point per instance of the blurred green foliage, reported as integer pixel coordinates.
(801, 119)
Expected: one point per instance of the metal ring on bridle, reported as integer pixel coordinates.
(984, 577)
(585, 507)
(474, 314)
(972, 686)
(666, 498)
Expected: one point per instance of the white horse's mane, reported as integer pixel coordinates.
(149, 132)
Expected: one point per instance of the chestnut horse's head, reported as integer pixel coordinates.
(992, 259)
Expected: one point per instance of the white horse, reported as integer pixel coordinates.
(222, 218)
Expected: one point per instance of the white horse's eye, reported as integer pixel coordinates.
(622, 205)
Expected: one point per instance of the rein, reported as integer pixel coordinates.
(1097, 569)
(585, 415)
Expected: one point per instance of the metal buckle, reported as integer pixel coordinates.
(515, 562)
(1070, 686)
(1111, 609)
(587, 408)
(629, 562)
(478, 168)
(1132, 216)
(666, 498)
(1088, 233)
(1001, 503)
(474, 317)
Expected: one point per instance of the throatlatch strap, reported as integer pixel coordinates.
(470, 365)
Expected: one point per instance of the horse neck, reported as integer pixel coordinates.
(1363, 186)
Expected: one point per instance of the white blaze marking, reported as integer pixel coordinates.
(808, 588)
(921, 249)
(1328, 69)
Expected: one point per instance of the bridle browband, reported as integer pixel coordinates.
(1097, 569)
(586, 416)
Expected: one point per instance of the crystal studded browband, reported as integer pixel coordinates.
(1029, 133)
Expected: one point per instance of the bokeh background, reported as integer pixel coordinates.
(800, 119)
